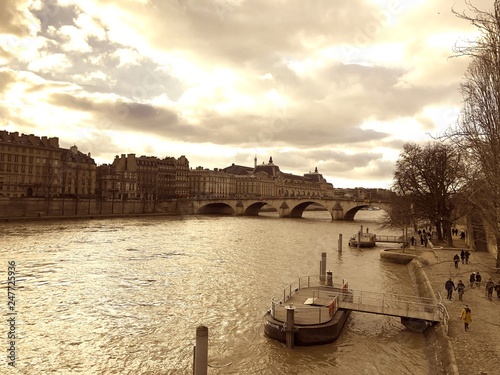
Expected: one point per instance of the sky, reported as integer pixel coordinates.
(338, 85)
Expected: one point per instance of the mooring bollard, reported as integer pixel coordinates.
(290, 327)
(201, 351)
(340, 243)
(322, 272)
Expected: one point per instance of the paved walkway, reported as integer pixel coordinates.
(478, 350)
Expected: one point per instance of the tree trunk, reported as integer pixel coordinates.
(449, 237)
(498, 255)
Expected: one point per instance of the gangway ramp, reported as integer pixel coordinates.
(392, 305)
(389, 239)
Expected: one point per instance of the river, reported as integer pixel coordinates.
(125, 295)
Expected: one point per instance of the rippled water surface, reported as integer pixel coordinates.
(125, 296)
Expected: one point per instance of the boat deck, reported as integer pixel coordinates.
(312, 305)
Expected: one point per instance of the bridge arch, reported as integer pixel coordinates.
(218, 208)
(254, 208)
(349, 215)
(298, 209)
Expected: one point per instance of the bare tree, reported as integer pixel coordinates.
(399, 216)
(430, 176)
(477, 133)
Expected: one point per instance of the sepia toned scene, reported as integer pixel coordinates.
(250, 187)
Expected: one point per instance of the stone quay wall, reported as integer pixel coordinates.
(439, 349)
(34, 208)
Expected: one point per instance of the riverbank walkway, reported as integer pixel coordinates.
(477, 350)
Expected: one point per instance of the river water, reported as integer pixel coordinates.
(124, 296)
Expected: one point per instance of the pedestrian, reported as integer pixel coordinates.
(472, 279)
(421, 240)
(467, 255)
(413, 241)
(462, 256)
(490, 285)
(466, 317)
(478, 280)
(449, 286)
(460, 289)
(456, 258)
(497, 289)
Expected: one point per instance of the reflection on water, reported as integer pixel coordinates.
(126, 295)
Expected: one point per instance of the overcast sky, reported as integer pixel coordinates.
(340, 85)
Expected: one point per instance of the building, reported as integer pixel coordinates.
(78, 174)
(30, 166)
(267, 180)
(146, 178)
(205, 183)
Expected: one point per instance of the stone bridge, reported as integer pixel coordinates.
(339, 208)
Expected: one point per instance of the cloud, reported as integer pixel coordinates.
(16, 19)
(341, 85)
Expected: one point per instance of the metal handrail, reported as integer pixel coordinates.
(304, 282)
(324, 312)
(388, 299)
(306, 314)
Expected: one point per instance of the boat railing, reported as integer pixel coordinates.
(305, 314)
(319, 290)
(393, 301)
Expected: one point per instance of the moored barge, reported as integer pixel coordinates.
(363, 240)
(316, 316)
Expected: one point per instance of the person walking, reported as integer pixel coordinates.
(462, 256)
(478, 280)
(490, 285)
(456, 258)
(460, 289)
(467, 255)
(449, 286)
(466, 317)
(472, 279)
(497, 289)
